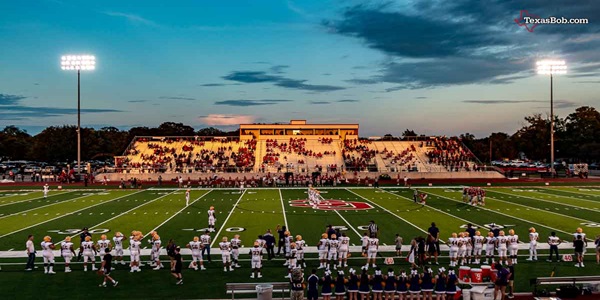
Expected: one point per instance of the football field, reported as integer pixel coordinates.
(253, 211)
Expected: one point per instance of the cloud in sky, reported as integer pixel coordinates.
(6, 99)
(12, 109)
(132, 18)
(137, 101)
(347, 101)
(176, 98)
(320, 102)
(557, 103)
(226, 119)
(278, 80)
(251, 102)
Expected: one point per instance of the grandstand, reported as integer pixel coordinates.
(299, 148)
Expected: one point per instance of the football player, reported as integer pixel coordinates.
(533, 238)
(102, 244)
(453, 241)
(469, 244)
(490, 244)
(134, 250)
(502, 245)
(462, 247)
(89, 251)
(300, 244)
(205, 239)
(156, 246)
(332, 254)
(118, 240)
(187, 197)
(372, 251)
(292, 259)
(47, 247)
(256, 253)
(236, 243)
(365, 243)
(343, 251)
(225, 247)
(579, 232)
(477, 247)
(211, 219)
(67, 252)
(46, 190)
(195, 245)
(322, 249)
(287, 240)
(513, 246)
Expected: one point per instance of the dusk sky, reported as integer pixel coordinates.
(438, 67)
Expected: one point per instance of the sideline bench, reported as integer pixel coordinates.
(571, 280)
(250, 288)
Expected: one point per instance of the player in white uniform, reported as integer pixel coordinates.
(67, 252)
(205, 240)
(287, 242)
(236, 243)
(372, 249)
(477, 247)
(300, 244)
(134, 251)
(364, 243)
(513, 245)
(225, 247)
(533, 239)
(47, 247)
(490, 244)
(293, 263)
(89, 250)
(196, 246)
(343, 251)
(46, 190)
(469, 244)
(256, 253)
(453, 242)
(118, 241)
(187, 197)
(462, 248)
(101, 245)
(211, 219)
(322, 249)
(502, 245)
(156, 247)
(333, 244)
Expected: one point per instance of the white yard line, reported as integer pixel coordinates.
(228, 216)
(569, 197)
(390, 212)
(67, 214)
(349, 225)
(572, 192)
(24, 211)
(20, 201)
(497, 212)
(439, 210)
(283, 207)
(538, 199)
(175, 214)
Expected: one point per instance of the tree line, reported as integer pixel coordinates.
(577, 139)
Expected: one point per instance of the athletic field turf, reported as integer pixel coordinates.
(250, 213)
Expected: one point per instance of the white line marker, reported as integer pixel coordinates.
(225, 222)
(283, 207)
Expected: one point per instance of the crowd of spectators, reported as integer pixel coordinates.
(357, 154)
(449, 153)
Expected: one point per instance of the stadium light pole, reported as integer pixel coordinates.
(551, 67)
(79, 63)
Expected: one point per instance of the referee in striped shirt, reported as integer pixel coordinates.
(373, 229)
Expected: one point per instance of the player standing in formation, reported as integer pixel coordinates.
(46, 190)
(196, 247)
(474, 196)
(533, 238)
(118, 240)
(187, 197)
(134, 250)
(102, 244)
(89, 251)
(513, 246)
(211, 219)
(67, 252)
(155, 252)
(314, 197)
(478, 241)
(47, 247)
(225, 247)
(490, 245)
(300, 244)
(372, 248)
(236, 243)
(257, 254)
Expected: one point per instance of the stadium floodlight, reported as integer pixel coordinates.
(551, 67)
(79, 63)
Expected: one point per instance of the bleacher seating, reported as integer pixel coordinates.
(299, 154)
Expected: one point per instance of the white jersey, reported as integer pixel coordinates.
(187, 195)
(490, 240)
(211, 214)
(46, 248)
(102, 244)
(87, 246)
(502, 240)
(364, 240)
(224, 246)
(135, 246)
(205, 239)
(261, 243)
(513, 240)
(65, 247)
(333, 246)
(453, 242)
(156, 246)
(322, 244)
(576, 234)
(478, 240)
(257, 253)
(344, 243)
(300, 245)
(46, 189)
(118, 240)
(533, 237)
(553, 240)
(195, 246)
(373, 244)
(236, 243)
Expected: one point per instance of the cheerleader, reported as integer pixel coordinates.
(340, 286)
(453, 242)
(376, 284)
(513, 246)
(415, 284)
(533, 238)
(401, 285)
(440, 284)
(363, 287)
(327, 283)
(412, 253)
(427, 284)
(390, 284)
(451, 284)
(352, 285)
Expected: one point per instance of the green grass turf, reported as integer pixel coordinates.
(7, 198)
(22, 205)
(259, 209)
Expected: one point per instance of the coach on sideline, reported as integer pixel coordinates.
(30, 253)
(373, 229)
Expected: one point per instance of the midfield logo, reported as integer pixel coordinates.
(331, 204)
